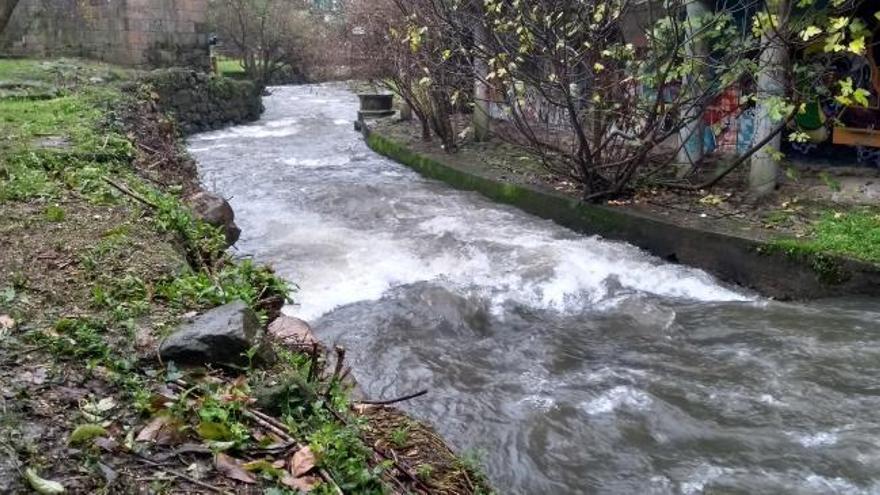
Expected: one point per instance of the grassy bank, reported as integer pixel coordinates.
(99, 261)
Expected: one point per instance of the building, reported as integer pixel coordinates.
(137, 33)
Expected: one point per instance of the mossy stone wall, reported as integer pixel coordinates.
(203, 102)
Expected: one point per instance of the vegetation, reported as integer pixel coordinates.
(596, 108)
(99, 263)
(854, 233)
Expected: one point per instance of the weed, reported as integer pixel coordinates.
(425, 471)
(80, 339)
(242, 281)
(400, 436)
(340, 450)
(125, 297)
(54, 213)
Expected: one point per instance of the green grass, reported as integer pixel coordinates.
(855, 233)
(230, 67)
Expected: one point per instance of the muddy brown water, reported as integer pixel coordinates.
(571, 364)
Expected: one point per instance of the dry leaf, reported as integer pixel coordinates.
(231, 468)
(302, 462)
(6, 324)
(162, 430)
(149, 433)
(304, 484)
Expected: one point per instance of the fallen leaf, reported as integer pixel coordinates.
(214, 431)
(305, 484)
(302, 462)
(231, 468)
(105, 404)
(265, 467)
(107, 444)
(6, 324)
(41, 485)
(86, 433)
(163, 430)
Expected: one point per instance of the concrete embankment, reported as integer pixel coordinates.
(767, 267)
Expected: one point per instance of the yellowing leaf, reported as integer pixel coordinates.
(41, 485)
(810, 32)
(214, 431)
(86, 433)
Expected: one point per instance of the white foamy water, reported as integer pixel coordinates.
(377, 225)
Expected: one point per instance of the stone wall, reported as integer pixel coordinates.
(202, 102)
(138, 33)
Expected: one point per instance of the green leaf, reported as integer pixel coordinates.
(86, 433)
(214, 431)
(861, 97)
(857, 46)
(43, 486)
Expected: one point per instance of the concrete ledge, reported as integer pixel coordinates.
(762, 266)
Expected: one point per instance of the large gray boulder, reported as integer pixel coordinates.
(216, 211)
(220, 336)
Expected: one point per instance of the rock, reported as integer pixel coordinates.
(215, 211)
(220, 336)
(291, 331)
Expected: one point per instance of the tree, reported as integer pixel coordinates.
(7, 7)
(268, 35)
(608, 114)
(603, 112)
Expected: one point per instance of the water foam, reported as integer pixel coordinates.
(617, 398)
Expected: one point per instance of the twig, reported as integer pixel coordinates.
(129, 192)
(313, 366)
(394, 401)
(184, 476)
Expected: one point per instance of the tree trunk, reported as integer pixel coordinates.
(6, 9)
(481, 89)
(764, 171)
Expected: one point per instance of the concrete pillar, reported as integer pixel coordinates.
(691, 136)
(764, 171)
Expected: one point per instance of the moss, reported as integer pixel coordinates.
(566, 211)
(828, 268)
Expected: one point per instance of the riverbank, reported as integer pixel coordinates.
(102, 261)
(805, 252)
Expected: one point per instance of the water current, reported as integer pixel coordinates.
(571, 364)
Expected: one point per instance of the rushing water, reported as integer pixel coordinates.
(573, 364)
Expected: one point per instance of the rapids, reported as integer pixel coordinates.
(571, 364)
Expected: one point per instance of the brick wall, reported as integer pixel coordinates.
(139, 33)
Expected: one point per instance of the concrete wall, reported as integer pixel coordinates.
(139, 33)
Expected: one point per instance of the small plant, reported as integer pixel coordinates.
(241, 281)
(54, 213)
(425, 471)
(80, 339)
(400, 436)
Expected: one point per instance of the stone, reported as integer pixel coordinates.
(215, 211)
(291, 331)
(220, 336)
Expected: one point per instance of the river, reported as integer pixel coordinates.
(571, 364)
